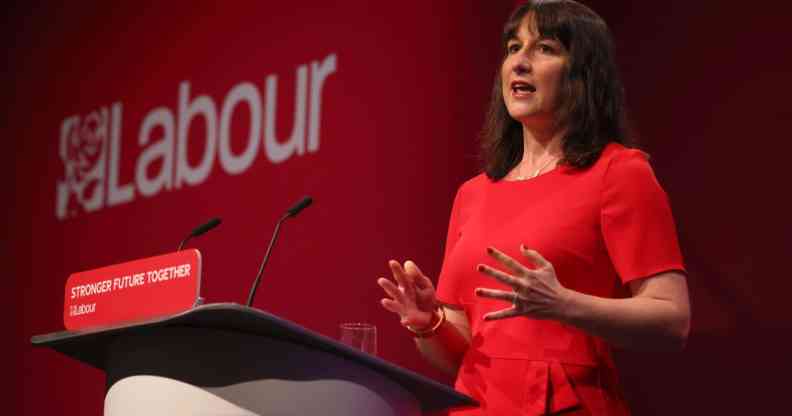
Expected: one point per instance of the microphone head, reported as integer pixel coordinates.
(214, 222)
(299, 206)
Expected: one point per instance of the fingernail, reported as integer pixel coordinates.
(490, 250)
(480, 268)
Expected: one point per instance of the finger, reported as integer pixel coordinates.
(391, 290)
(423, 282)
(495, 294)
(391, 305)
(502, 314)
(535, 257)
(513, 265)
(501, 276)
(419, 279)
(400, 275)
(413, 273)
(411, 268)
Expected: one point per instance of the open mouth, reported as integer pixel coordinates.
(521, 87)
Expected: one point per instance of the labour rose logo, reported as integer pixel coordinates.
(82, 150)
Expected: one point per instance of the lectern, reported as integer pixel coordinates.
(229, 359)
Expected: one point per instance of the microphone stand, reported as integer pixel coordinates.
(291, 212)
(266, 259)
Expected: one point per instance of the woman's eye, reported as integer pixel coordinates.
(513, 48)
(547, 48)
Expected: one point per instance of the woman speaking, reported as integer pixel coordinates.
(563, 247)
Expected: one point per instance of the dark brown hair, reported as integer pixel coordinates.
(592, 97)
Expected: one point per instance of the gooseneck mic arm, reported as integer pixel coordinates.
(291, 212)
(214, 222)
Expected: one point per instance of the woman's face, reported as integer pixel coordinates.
(531, 75)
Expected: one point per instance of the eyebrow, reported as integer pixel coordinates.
(538, 39)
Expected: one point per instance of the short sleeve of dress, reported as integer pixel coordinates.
(637, 225)
(448, 287)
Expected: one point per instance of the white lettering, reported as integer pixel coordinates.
(116, 194)
(168, 273)
(231, 163)
(162, 150)
(201, 105)
(277, 152)
(319, 73)
(90, 289)
(75, 310)
(90, 147)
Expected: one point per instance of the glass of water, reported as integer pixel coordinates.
(360, 335)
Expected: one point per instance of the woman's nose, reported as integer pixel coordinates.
(522, 68)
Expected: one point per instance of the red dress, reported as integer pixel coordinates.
(600, 228)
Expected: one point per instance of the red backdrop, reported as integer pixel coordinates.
(403, 90)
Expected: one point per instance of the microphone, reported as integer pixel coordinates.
(291, 212)
(200, 230)
(299, 206)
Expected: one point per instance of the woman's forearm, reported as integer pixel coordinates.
(639, 322)
(656, 317)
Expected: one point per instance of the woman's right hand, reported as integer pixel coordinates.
(413, 299)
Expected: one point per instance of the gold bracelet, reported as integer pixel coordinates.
(431, 331)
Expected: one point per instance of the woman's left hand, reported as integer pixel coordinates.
(536, 292)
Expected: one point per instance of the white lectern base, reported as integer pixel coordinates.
(161, 396)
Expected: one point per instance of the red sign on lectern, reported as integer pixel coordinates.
(133, 291)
